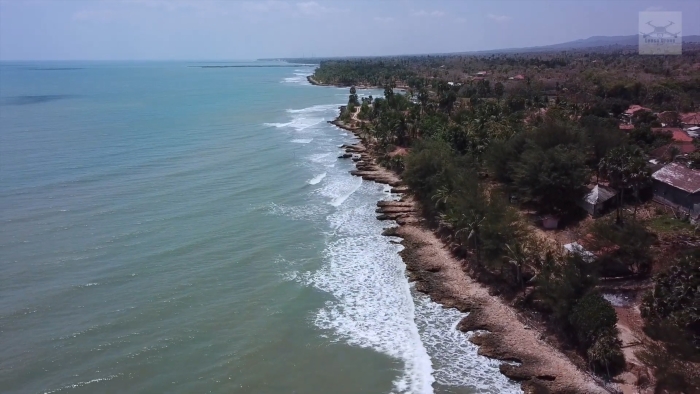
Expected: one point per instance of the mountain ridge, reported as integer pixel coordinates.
(602, 42)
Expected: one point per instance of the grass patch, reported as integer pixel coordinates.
(669, 224)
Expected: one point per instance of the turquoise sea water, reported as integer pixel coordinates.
(169, 228)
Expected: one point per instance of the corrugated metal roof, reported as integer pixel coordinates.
(679, 176)
(600, 194)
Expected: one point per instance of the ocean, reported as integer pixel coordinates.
(171, 228)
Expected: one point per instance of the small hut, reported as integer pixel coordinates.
(598, 200)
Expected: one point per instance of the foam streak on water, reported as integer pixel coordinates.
(454, 357)
(318, 178)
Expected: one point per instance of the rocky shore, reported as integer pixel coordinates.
(317, 83)
(507, 336)
(314, 82)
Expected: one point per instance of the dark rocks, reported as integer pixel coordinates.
(394, 204)
(390, 232)
(400, 189)
(515, 373)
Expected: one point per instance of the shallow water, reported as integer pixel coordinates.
(168, 228)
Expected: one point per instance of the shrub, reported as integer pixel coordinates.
(591, 317)
(671, 374)
(553, 179)
(624, 248)
(672, 308)
(605, 355)
(560, 284)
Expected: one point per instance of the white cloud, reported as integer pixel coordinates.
(313, 8)
(499, 18)
(265, 6)
(201, 6)
(423, 13)
(654, 8)
(94, 15)
(384, 19)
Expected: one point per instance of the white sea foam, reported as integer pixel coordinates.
(299, 123)
(302, 140)
(318, 178)
(455, 359)
(278, 125)
(83, 384)
(341, 199)
(304, 212)
(339, 189)
(316, 108)
(297, 79)
(372, 306)
(322, 158)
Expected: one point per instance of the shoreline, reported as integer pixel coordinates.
(534, 363)
(316, 83)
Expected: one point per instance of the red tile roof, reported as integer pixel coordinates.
(680, 177)
(519, 76)
(691, 118)
(626, 127)
(664, 152)
(678, 134)
(636, 108)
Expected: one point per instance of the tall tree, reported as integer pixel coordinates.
(498, 89)
(553, 179)
(353, 100)
(626, 168)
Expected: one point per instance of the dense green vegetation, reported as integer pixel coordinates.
(671, 308)
(480, 152)
(672, 315)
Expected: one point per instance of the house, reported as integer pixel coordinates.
(481, 73)
(690, 119)
(679, 135)
(632, 111)
(678, 186)
(693, 131)
(576, 248)
(665, 153)
(598, 200)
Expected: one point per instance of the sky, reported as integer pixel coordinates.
(241, 30)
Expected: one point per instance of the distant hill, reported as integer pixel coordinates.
(591, 42)
(595, 43)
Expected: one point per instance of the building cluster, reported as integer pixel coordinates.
(674, 183)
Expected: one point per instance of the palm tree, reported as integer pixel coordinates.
(441, 196)
(472, 224)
